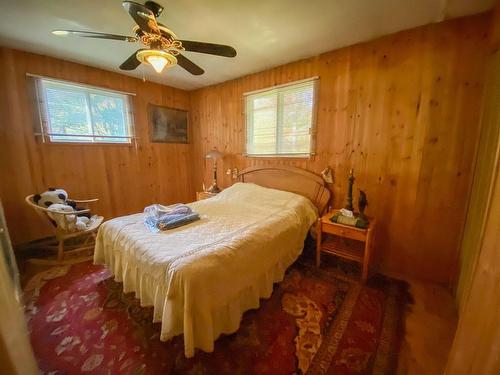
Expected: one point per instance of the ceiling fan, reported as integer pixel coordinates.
(163, 47)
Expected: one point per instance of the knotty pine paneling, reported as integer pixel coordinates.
(124, 178)
(486, 164)
(402, 111)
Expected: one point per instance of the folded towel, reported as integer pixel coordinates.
(158, 217)
(172, 223)
(159, 210)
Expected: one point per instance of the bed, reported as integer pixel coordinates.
(202, 277)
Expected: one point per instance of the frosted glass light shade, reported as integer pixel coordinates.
(158, 62)
(158, 59)
(214, 154)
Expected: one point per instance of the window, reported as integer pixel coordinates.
(78, 113)
(280, 121)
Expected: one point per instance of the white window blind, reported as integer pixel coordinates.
(281, 120)
(77, 113)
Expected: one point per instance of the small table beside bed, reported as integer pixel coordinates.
(201, 278)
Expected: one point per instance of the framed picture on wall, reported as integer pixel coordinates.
(167, 125)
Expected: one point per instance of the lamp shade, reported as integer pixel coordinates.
(214, 154)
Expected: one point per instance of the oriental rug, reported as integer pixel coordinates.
(317, 321)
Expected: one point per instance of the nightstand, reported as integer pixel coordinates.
(204, 195)
(344, 241)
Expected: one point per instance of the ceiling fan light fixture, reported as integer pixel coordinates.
(163, 48)
(157, 62)
(158, 59)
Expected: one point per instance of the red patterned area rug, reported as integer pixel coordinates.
(316, 322)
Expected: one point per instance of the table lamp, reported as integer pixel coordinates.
(214, 155)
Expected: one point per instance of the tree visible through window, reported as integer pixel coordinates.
(74, 113)
(280, 121)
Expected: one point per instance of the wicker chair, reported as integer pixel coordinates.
(62, 234)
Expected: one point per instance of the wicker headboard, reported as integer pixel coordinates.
(292, 179)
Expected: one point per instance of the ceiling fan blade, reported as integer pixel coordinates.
(142, 16)
(131, 63)
(210, 48)
(190, 66)
(91, 34)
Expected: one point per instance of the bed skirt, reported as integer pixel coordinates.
(203, 332)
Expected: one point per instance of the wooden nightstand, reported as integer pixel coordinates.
(345, 241)
(204, 195)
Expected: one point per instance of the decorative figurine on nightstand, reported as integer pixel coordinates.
(348, 204)
(362, 203)
(346, 215)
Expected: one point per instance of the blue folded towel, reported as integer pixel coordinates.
(158, 217)
(175, 222)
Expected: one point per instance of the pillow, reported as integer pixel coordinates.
(256, 195)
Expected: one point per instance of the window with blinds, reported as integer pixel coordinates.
(77, 113)
(280, 121)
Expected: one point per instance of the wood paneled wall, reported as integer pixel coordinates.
(124, 178)
(476, 343)
(482, 188)
(403, 111)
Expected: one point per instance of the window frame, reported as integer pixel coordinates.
(279, 89)
(44, 120)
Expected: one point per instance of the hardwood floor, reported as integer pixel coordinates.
(430, 327)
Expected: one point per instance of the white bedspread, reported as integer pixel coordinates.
(202, 277)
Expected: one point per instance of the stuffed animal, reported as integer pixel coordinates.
(56, 195)
(51, 196)
(67, 222)
(56, 200)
